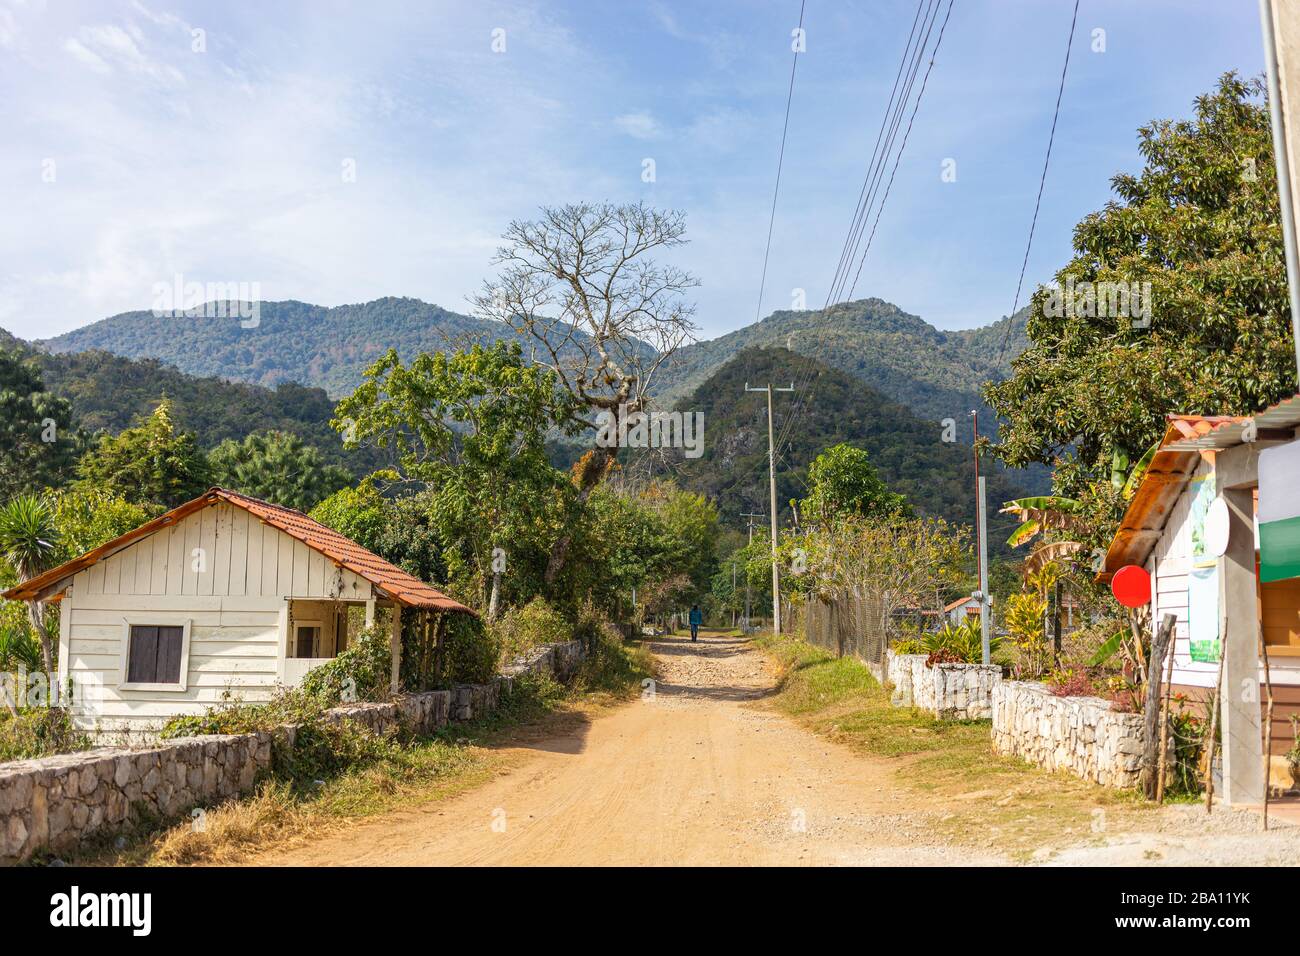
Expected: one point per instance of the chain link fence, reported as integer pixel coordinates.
(849, 624)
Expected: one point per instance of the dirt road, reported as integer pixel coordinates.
(693, 773)
(700, 772)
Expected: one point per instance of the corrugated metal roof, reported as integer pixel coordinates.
(405, 589)
(1186, 436)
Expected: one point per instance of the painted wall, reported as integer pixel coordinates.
(223, 571)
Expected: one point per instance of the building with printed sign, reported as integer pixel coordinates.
(1216, 523)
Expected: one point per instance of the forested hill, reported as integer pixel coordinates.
(108, 392)
(293, 341)
(909, 452)
(936, 374)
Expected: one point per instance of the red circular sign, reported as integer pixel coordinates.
(1131, 586)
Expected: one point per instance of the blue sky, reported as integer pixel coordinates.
(226, 165)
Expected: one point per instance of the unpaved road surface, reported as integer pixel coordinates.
(699, 773)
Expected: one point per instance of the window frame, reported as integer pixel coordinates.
(136, 620)
(317, 623)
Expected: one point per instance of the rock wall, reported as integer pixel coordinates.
(1079, 734)
(949, 691)
(56, 802)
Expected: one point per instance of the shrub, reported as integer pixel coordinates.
(1071, 683)
(964, 642)
(909, 645)
(39, 732)
(363, 671)
(470, 651)
(521, 629)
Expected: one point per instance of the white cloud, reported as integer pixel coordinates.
(88, 57)
(640, 125)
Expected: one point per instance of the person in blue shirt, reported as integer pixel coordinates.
(696, 619)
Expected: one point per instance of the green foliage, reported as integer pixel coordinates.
(277, 467)
(18, 647)
(521, 629)
(37, 442)
(842, 481)
(1091, 393)
(907, 452)
(151, 462)
(470, 653)
(470, 428)
(86, 517)
(964, 641)
(29, 537)
(109, 392)
(362, 671)
(39, 732)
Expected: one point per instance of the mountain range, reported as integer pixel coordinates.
(936, 374)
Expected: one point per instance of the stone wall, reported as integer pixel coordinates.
(949, 691)
(1080, 734)
(56, 802)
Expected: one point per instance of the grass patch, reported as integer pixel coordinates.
(978, 797)
(387, 776)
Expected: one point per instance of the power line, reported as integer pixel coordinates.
(929, 17)
(890, 185)
(1011, 319)
(780, 160)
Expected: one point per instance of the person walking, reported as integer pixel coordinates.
(696, 619)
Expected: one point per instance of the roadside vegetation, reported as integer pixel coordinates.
(980, 798)
(340, 774)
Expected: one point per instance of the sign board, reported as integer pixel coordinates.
(1279, 512)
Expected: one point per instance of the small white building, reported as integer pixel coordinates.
(1212, 469)
(225, 596)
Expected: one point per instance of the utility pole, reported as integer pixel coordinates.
(1280, 23)
(733, 595)
(771, 478)
(751, 516)
(981, 537)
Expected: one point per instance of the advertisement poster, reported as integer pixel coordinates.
(1203, 580)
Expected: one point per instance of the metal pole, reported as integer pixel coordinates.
(981, 538)
(1282, 162)
(984, 572)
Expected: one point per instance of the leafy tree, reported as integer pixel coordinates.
(150, 463)
(1201, 224)
(37, 442)
(276, 466)
(86, 517)
(28, 544)
(470, 427)
(842, 482)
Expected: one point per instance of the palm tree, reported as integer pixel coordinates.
(27, 543)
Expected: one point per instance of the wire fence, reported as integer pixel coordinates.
(846, 624)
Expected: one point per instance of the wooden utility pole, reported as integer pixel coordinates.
(771, 478)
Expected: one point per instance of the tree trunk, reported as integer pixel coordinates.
(492, 601)
(593, 470)
(35, 613)
(1151, 709)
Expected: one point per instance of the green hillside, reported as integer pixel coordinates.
(909, 451)
(936, 374)
(293, 342)
(108, 392)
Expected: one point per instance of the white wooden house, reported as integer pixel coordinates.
(224, 596)
(1220, 601)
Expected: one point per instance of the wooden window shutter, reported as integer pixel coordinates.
(155, 654)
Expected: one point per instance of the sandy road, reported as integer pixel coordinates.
(702, 773)
(697, 773)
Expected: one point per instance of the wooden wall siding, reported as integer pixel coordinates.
(1170, 564)
(235, 609)
(244, 557)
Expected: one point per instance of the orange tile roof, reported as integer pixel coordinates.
(405, 589)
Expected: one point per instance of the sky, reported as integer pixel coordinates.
(337, 152)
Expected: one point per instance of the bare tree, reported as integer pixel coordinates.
(581, 284)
